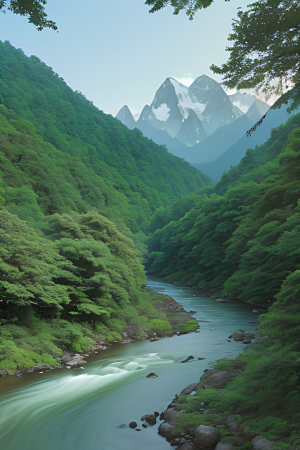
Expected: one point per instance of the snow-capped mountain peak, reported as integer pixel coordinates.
(187, 101)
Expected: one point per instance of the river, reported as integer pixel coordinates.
(82, 409)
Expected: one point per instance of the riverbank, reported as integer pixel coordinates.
(223, 410)
(84, 408)
(170, 318)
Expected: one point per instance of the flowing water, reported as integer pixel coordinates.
(82, 409)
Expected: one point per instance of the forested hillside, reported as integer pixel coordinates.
(241, 239)
(133, 172)
(76, 186)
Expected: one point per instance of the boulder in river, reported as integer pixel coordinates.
(189, 358)
(189, 389)
(206, 436)
(222, 300)
(216, 380)
(3, 372)
(132, 425)
(152, 375)
(170, 415)
(168, 431)
(237, 335)
(150, 418)
(260, 443)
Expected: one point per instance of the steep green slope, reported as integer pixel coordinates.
(134, 166)
(237, 236)
(241, 238)
(76, 185)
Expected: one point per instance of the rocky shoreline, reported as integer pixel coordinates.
(175, 313)
(210, 437)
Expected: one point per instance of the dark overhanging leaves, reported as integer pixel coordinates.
(34, 10)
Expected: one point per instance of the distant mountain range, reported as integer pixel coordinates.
(198, 123)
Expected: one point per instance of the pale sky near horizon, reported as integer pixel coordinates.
(116, 53)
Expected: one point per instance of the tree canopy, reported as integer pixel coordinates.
(266, 46)
(33, 9)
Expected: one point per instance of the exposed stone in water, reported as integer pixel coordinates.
(152, 375)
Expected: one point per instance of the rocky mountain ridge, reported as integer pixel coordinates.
(197, 123)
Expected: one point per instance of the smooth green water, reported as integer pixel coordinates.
(82, 409)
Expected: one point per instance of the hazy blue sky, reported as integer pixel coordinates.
(116, 53)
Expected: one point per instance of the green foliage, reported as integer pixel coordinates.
(74, 157)
(223, 364)
(158, 325)
(242, 236)
(269, 427)
(34, 10)
(189, 326)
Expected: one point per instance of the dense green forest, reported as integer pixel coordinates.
(77, 187)
(81, 196)
(241, 239)
(132, 175)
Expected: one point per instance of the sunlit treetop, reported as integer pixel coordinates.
(265, 53)
(33, 9)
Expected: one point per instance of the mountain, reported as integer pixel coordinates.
(237, 151)
(95, 149)
(221, 140)
(249, 105)
(125, 116)
(189, 114)
(217, 109)
(191, 131)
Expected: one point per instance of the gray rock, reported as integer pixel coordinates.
(231, 423)
(240, 438)
(260, 443)
(3, 372)
(187, 446)
(238, 335)
(221, 446)
(150, 418)
(222, 300)
(39, 368)
(168, 431)
(189, 358)
(76, 361)
(189, 389)
(170, 416)
(217, 380)
(175, 442)
(206, 436)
